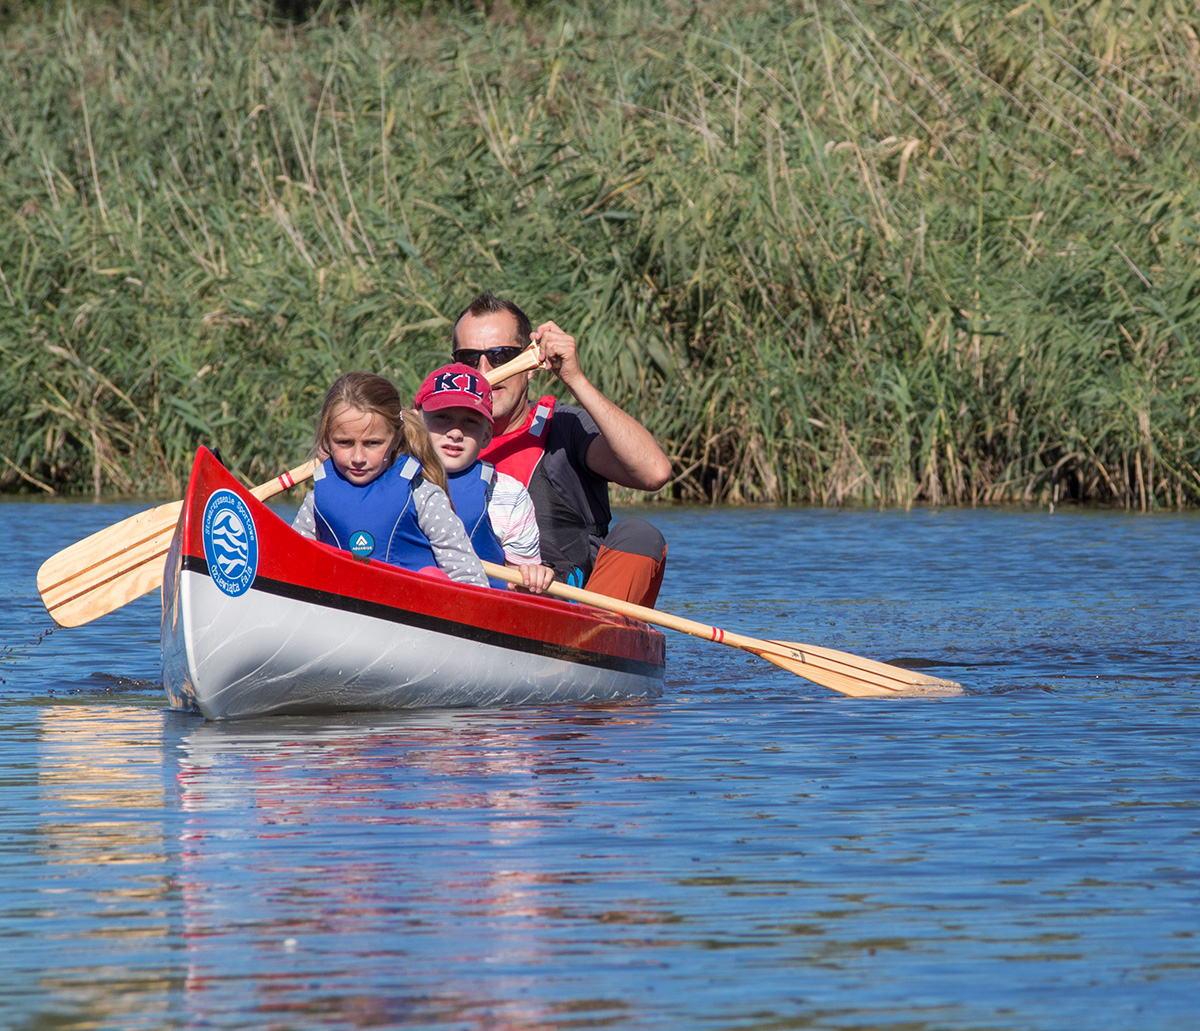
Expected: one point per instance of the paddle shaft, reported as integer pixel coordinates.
(622, 608)
(640, 612)
(836, 670)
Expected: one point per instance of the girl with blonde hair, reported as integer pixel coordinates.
(380, 491)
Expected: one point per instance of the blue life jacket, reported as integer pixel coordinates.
(377, 521)
(470, 491)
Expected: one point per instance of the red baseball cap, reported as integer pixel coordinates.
(456, 386)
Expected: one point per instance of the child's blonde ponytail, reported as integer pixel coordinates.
(415, 440)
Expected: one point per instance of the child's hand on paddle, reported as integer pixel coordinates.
(535, 578)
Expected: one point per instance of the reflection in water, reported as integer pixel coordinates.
(304, 840)
(106, 880)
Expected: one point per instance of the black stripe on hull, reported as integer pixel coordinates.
(434, 624)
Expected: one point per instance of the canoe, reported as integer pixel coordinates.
(258, 620)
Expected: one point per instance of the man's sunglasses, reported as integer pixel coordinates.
(496, 356)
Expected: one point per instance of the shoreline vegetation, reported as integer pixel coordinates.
(832, 253)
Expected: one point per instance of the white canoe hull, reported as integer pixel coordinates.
(294, 627)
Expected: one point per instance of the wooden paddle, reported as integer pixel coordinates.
(838, 671)
(116, 565)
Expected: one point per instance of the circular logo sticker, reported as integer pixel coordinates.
(230, 542)
(362, 544)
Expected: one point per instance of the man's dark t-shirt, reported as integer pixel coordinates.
(571, 501)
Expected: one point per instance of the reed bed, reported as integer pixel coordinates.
(832, 253)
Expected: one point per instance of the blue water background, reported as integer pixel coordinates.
(751, 851)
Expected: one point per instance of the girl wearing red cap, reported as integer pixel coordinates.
(455, 402)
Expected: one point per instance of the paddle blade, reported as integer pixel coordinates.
(110, 568)
(853, 674)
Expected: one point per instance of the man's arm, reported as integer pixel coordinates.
(625, 452)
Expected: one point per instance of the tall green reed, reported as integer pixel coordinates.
(830, 253)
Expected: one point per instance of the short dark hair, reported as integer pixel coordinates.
(487, 303)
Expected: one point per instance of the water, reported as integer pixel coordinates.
(748, 852)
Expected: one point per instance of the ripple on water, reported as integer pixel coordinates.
(749, 851)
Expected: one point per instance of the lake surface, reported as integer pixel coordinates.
(750, 851)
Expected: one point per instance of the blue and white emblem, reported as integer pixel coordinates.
(230, 542)
(362, 544)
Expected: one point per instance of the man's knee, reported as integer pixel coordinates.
(637, 537)
(630, 563)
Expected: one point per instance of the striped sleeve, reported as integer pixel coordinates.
(514, 520)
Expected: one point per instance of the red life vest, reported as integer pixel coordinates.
(569, 536)
(519, 451)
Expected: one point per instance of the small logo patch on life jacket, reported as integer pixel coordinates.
(362, 544)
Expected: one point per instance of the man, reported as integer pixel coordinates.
(566, 456)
